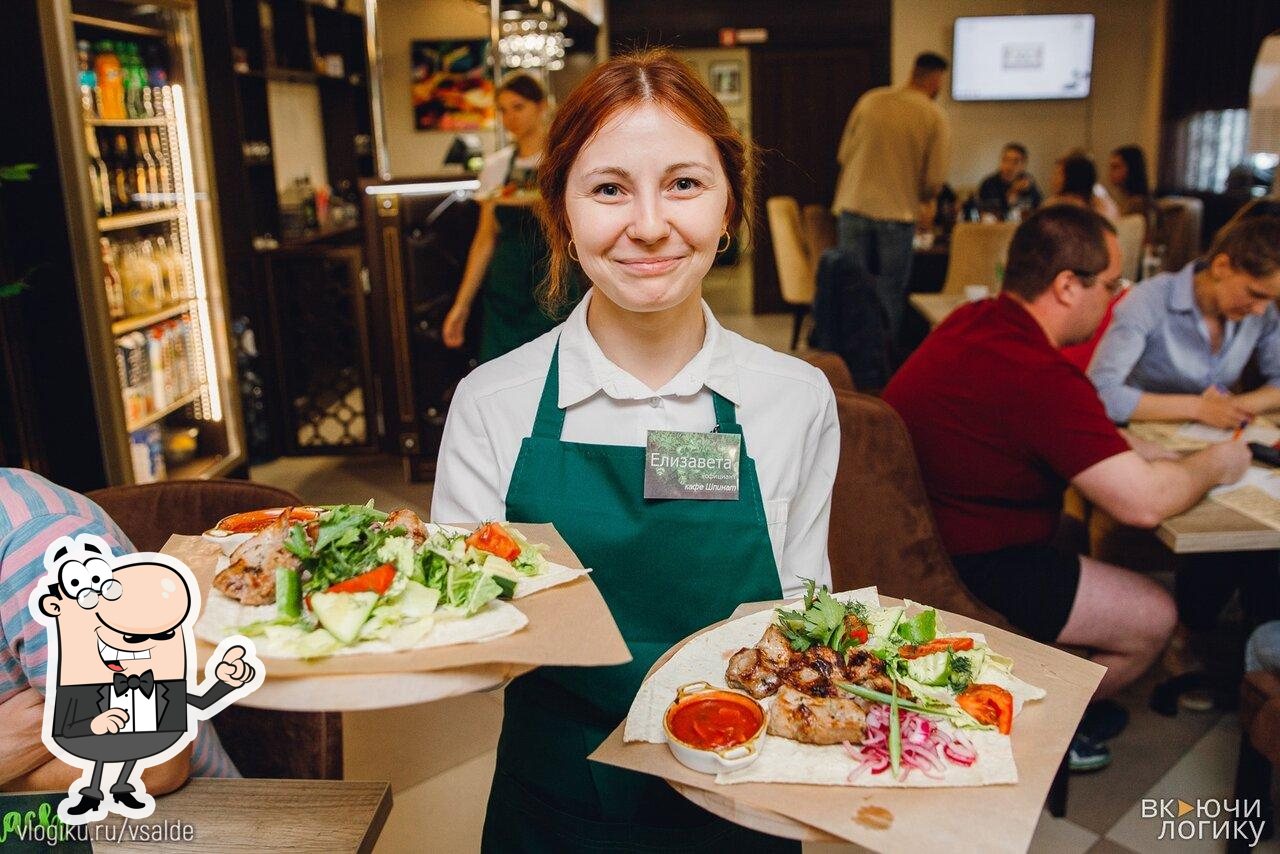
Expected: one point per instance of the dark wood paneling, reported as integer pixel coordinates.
(1211, 51)
(812, 23)
(800, 100)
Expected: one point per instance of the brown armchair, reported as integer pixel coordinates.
(882, 528)
(262, 743)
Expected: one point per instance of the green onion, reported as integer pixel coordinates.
(877, 697)
(288, 593)
(895, 730)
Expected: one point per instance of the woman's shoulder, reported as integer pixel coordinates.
(764, 367)
(525, 366)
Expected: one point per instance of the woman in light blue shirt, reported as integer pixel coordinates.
(1179, 340)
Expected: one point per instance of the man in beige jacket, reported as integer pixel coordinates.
(893, 157)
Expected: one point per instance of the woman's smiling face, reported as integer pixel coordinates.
(647, 201)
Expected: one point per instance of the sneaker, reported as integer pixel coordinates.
(1085, 754)
(1104, 720)
(1196, 700)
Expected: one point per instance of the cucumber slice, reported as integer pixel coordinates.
(417, 600)
(933, 669)
(342, 614)
(288, 593)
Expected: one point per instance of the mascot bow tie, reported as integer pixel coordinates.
(145, 683)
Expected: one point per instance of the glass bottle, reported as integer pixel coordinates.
(111, 280)
(110, 74)
(123, 177)
(164, 176)
(99, 177)
(87, 80)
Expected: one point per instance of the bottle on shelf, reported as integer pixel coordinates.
(149, 169)
(87, 80)
(170, 259)
(135, 376)
(135, 83)
(157, 79)
(123, 176)
(111, 280)
(99, 176)
(307, 194)
(164, 175)
(142, 284)
(110, 74)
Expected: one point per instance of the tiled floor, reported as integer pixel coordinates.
(439, 757)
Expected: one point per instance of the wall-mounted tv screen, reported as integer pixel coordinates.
(1022, 58)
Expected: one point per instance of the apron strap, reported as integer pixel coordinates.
(549, 423)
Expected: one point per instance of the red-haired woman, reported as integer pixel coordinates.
(644, 179)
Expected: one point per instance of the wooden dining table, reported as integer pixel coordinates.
(1209, 526)
(231, 815)
(935, 308)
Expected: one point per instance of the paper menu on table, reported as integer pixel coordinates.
(1261, 431)
(1256, 495)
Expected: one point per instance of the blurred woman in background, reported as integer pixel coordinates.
(1075, 182)
(508, 253)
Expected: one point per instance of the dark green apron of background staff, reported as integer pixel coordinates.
(512, 315)
(666, 568)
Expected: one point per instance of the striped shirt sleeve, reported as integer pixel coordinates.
(23, 649)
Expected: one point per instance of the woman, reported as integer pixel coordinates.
(1180, 340)
(508, 244)
(1075, 182)
(1174, 347)
(1127, 171)
(644, 178)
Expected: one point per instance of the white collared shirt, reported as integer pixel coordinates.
(141, 709)
(786, 409)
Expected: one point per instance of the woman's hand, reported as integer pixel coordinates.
(1220, 410)
(454, 331)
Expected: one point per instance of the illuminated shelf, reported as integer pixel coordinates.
(118, 26)
(142, 321)
(133, 220)
(186, 400)
(158, 122)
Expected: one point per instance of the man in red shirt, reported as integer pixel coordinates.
(1002, 423)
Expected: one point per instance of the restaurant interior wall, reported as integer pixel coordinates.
(1123, 106)
(816, 59)
(400, 22)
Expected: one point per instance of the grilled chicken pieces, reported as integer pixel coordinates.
(251, 577)
(810, 708)
(411, 523)
(817, 720)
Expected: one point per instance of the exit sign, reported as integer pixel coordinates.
(730, 37)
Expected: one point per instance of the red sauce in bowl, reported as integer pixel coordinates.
(715, 720)
(255, 520)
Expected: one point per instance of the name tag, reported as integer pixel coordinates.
(701, 466)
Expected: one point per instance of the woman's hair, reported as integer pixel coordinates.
(1078, 176)
(650, 76)
(1252, 243)
(1135, 170)
(525, 85)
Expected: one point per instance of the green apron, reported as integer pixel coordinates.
(666, 568)
(512, 315)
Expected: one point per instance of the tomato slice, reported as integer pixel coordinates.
(493, 538)
(936, 645)
(378, 580)
(988, 704)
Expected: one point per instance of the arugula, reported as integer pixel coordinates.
(346, 545)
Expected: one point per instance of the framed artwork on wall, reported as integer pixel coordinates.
(725, 77)
(451, 87)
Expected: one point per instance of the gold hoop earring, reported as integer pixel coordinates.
(571, 255)
(728, 239)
